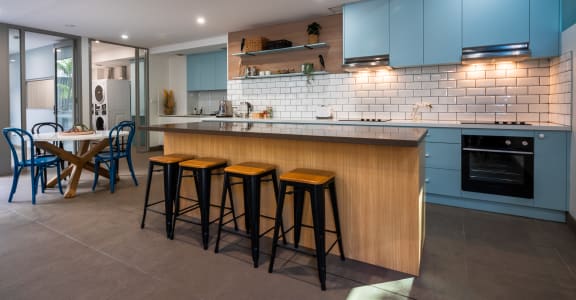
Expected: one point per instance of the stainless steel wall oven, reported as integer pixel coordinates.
(500, 165)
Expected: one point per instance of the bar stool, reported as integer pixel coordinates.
(169, 164)
(314, 182)
(202, 171)
(252, 175)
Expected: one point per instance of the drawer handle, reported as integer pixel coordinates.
(541, 136)
(427, 180)
(427, 155)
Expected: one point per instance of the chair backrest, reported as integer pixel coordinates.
(43, 127)
(46, 127)
(120, 143)
(17, 137)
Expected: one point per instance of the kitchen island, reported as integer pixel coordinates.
(379, 178)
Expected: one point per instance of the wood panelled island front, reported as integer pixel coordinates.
(379, 178)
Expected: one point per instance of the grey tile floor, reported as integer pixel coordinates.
(91, 247)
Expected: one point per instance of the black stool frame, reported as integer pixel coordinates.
(170, 171)
(318, 217)
(251, 188)
(202, 181)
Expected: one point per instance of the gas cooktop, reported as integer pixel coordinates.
(496, 122)
(365, 120)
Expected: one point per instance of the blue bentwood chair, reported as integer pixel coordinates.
(119, 147)
(28, 158)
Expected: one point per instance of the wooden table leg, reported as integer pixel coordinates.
(77, 162)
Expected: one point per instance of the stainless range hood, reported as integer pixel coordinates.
(366, 63)
(493, 54)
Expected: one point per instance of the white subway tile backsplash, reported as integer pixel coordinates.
(475, 91)
(496, 108)
(447, 84)
(528, 99)
(506, 82)
(456, 92)
(466, 83)
(532, 90)
(485, 99)
(496, 91)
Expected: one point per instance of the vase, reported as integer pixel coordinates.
(313, 38)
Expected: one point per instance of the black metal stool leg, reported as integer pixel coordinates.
(298, 210)
(334, 201)
(170, 176)
(229, 187)
(147, 196)
(205, 185)
(318, 207)
(279, 211)
(275, 185)
(254, 200)
(225, 189)
(176, 202)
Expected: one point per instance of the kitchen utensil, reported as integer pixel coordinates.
(225, 109)
(322, 61)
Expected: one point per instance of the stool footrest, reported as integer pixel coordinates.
(305, 251)
(152, 204)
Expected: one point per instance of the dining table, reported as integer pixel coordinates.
(90, 143)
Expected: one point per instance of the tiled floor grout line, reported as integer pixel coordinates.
(87, 246)
(565, 263)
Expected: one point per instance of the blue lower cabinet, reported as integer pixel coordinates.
(551, 174)
(443, 182)
(442, 155)
(551, 169)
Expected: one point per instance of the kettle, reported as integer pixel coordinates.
(225, 109)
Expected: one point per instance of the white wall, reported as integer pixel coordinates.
(569, 45)
(178, 83)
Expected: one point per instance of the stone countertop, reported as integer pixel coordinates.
(352, 134)
(403, 123)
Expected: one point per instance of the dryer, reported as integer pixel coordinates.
(110, 103)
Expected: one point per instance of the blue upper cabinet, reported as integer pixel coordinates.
(544, 28)
(495, 22)
(406, 33)
(207, 71)
(220, 70)
(442, 31)
(366, 28)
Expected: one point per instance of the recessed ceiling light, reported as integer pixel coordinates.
(97, 41)
(124, 36)
(201, 20)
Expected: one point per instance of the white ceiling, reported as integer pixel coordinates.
(153, 23)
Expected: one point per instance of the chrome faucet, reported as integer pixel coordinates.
(248, 106)
(416, 107)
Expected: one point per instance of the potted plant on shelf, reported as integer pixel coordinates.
(169, 102)
(313, 31)
(308, 69)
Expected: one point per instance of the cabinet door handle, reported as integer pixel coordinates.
(427, 155)
(427, 180)
(541, 136)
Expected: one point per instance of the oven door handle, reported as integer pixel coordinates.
(498, 151)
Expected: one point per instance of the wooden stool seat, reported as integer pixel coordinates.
(170, 158)
(203, 163)
(308, 176)
(250, 168)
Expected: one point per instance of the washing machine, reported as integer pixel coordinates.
(110, 103)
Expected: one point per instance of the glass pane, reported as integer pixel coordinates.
(142, 116)
(65, 86)
(14, 77)
(40, 77)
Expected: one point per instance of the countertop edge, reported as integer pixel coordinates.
(399, 123)
(399, 142)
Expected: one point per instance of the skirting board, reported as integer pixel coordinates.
(571, 221)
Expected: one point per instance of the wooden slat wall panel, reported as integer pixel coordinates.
(380, 190)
